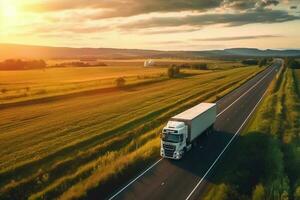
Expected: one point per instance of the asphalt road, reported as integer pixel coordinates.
(187, 178)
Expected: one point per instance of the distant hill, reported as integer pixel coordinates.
(257, 52)
(14, 51)
(42, 52)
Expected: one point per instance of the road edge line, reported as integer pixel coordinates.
(228, 144)
(245, 92)
(121, 190)
(135, 179)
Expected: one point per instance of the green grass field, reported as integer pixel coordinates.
(63, 148)
(267, 154)
(36, 84)
(212, 63)
(31, 84)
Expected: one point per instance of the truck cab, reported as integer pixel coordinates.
(185, 129)
(173, 140)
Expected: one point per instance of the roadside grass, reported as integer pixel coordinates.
(267, 154)
(47, 148)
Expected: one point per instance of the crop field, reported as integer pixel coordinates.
(36, 84)
(65, 148)
(212, 63)
(30, 84)
(272, 142)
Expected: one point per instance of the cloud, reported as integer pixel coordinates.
(250, 4)
(237, 38)
(169, 31)
(119, 8)
(235, 19)
(126, 8)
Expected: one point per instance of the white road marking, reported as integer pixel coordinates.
(131, 182)
(233, 137)
(135, 179)
(245, 93)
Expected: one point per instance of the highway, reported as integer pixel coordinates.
(187, 178)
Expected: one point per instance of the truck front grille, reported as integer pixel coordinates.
(169, 153)
(169, 150)
(169, 147)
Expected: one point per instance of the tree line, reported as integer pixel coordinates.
(260, 62)
(292, 63)
(17, 64)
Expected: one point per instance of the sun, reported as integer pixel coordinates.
(8, 9)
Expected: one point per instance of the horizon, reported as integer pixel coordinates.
(156, 25)
(254, 48)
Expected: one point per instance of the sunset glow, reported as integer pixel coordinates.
(9, 10)
(157, 24)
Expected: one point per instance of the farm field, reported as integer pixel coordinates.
(63, 148)
(31, 84)
(212, 63)
(272, 142)
(34, 84)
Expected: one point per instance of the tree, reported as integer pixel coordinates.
(292, 63)
(250, 62)
(176, 70)
(263, 62)
(200, 66)
(120, 82)
(12, 64)
(3, 90)
(171, 73)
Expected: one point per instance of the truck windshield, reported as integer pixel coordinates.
(175, 138)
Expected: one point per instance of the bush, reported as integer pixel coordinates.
(263, 62)
(120, 82)
(177, 70)
(259, 192)
(4, 90)
(200, 66)
(173, 71)
(250, 62)
(292, 63)
(297, 193)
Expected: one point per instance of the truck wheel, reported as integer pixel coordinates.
(184, 152)
(195, 143)
(212, 130)
(207, 132)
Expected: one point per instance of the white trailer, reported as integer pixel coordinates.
(183, 130)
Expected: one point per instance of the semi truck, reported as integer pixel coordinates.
(182, 131)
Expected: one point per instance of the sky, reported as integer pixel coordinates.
(152, 24)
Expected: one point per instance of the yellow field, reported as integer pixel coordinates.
(26, 85)
(48, 147)
(212, 63)
(31, 84)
